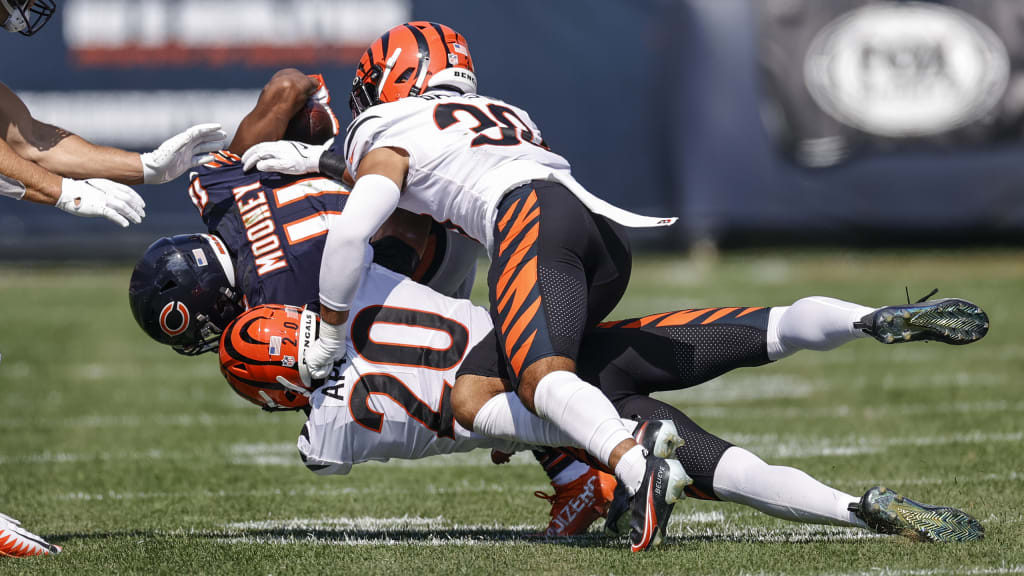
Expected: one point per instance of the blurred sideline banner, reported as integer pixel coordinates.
(755, 121)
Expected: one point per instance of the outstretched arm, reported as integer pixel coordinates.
(283, 96)
(63, 153)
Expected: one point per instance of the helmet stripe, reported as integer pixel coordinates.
(422, 62)
(384, 40)
(447, 52)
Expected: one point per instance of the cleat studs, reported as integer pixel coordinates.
(889, 339)
(887, 317)
(906, 314)
(906, 335)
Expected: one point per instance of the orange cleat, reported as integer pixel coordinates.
(17, 542)
(577, 504)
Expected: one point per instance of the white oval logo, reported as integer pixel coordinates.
(906, 70)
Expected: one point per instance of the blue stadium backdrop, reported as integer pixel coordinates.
(754, 121)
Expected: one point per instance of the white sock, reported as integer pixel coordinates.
(630, 469)
(781, 491)
(505, 417)
(814, 323)
(582, 412)
(571, 472)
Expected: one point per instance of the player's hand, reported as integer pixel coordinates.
(284, 156)
(328, 349)
(98, 197)
(181, 152)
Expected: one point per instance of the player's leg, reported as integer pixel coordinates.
(582, 493)
(538, 288)
(556, 269)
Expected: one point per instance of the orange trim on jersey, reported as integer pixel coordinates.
(279, 204)
(749, 310)
(684, 317)
(288, 234)
(722, 312)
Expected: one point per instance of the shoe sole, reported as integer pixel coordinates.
(894, 514)
(951, 320)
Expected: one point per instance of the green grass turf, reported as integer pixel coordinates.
(138, 460)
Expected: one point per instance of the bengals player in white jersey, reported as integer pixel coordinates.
(422, 139)
(392, 395)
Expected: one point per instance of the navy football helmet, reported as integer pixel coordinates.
(183, 294)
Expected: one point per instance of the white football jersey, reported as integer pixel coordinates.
(456, 144)
(391, 398)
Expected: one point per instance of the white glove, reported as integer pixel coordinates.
(284, 156)
(98, 197)
(328, 349)
(181, 152)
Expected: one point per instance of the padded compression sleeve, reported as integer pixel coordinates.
(371, 201)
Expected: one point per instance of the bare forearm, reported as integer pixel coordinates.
(74, 157)
(41, 186)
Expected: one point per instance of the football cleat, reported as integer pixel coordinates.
(658, 437)
(949, 320)
(576, 505)
(17, 542)
(651, 506)
(887, 512)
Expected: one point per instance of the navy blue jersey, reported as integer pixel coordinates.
(275, 226)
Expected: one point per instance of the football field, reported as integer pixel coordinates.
(138, 460)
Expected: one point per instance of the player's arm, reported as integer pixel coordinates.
(373, 198)
(62, 152)
(283, 96)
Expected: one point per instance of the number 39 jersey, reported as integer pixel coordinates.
(391, 396)
(465, 152)
(275, 226)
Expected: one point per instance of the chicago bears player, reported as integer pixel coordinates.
(267, 231)
(391, 396)
(48, 165)
(423, 139)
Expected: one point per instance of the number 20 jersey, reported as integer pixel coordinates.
(391, 396)
(465, 152)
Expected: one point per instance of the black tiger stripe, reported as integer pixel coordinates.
(353, 127)
(447, 52)
(384, 40)
(424, 55)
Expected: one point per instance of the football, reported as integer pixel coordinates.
(313, 124)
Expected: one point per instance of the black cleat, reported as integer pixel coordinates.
(658, 437)
(949, 320)
(887, 512)
(651, 506)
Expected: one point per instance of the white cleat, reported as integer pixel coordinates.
(17, 542)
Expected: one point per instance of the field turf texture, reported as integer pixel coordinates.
(138, 460)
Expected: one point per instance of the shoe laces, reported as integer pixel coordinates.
(922, 298)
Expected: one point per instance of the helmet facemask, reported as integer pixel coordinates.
(27, 21)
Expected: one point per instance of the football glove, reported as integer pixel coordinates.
(285, 156)
(328, 349)
(181, 152)
(98, 197)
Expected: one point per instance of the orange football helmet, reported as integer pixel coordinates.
(409, 59)
(261, 352)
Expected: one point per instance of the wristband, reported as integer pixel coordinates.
(332, 165)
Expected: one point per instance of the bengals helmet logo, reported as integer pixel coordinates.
(174, 318)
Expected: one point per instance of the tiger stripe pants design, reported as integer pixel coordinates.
(557, 269)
